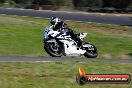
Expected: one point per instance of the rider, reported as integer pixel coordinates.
(59, 25)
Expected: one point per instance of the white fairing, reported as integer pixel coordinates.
(70, 46)
(71, 50)
(47, 29)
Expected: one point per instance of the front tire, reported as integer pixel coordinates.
(51, 50)
(91, 53)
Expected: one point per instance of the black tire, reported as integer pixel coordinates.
(51, 52)
(92, 53)
(81, 80)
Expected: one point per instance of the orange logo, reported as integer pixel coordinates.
(84, 78)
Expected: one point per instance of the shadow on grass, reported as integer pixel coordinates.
(130, 54)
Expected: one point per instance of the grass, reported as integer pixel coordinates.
(23, 36)
(57, 74)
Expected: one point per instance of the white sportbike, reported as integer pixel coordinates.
(56, 45)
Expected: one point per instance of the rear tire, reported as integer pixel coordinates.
(52, 52)
(91, 53)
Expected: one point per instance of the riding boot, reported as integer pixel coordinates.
(75, 37)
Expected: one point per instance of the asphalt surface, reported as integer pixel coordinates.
(57, 59)
(107, 19)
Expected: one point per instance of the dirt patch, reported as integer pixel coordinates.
(124, 56)
(102, 28)
(106, 30)
(106, 55)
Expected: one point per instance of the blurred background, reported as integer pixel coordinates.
(105, 6)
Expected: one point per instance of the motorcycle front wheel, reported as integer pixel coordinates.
(53, 49)
(91, 53)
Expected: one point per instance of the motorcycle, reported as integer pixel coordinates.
(56, 45)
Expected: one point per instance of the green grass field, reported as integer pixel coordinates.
(23, 36)
(57, 74)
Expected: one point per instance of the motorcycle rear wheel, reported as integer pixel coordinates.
(91, 53)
